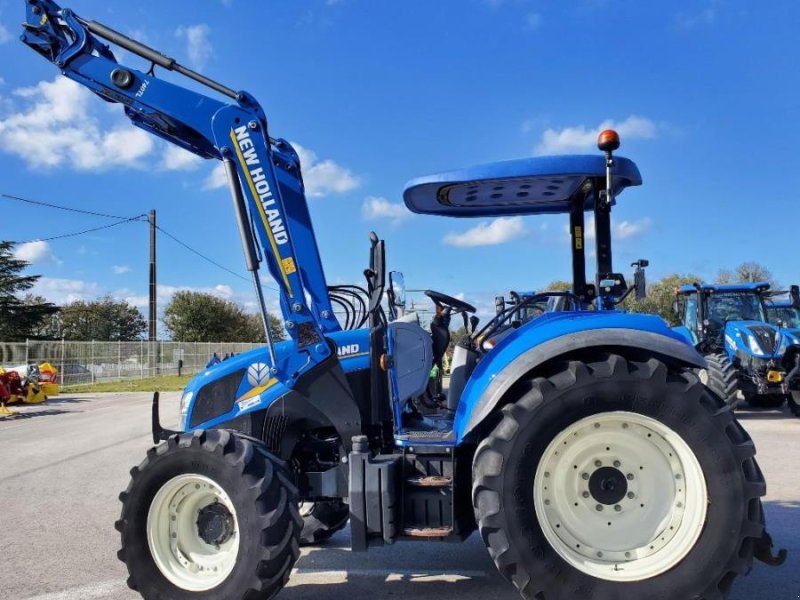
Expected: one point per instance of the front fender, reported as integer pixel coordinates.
(554, 335)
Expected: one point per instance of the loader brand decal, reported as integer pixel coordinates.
(349, 351)
(578, 237)
(257, 374)
(142, 88)
(261, 191)
(250, 402)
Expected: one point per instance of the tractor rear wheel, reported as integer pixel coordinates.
(722, 378)
(208, 515)
(322, 519)
(618, 479)
(768, 401)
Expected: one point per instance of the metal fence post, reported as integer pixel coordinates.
(119, 359)
(91, 362)
(27, 351)
(141, 359)
(63, 352)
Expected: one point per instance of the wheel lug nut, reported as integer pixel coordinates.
(585, 494)
(599, 508)
(631, 495)
(680, 505)
(678, 476)
(597, 463)
(585, 476)
(617, 508)
(547, 502)
(629, 476)
(617, 463)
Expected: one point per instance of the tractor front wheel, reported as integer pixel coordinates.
(322, 519)
(209, 515)
(618, 479)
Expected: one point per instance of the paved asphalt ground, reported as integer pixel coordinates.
(62, 465)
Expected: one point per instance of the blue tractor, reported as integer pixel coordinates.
(783, 310)
(747, 355)
(584, 448)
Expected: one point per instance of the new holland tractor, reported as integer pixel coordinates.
(783, 310)
(747, 355)
(584, 448)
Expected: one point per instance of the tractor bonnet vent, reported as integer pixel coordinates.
(766, 336)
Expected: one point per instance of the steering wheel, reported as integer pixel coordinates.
(454, 303)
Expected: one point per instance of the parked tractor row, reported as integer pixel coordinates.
(585, 447)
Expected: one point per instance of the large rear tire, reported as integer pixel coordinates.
(793, 401)
(722, 378)
(321, 520)
(209, 515)
(618, 480)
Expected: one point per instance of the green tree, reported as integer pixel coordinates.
(747, 272)
(103, 319)
(19, 318)
(660, 298)
(201, 317)
(558, 286)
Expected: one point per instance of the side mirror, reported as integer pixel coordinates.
(499, 304)
(676, 308)
(639, 279)
(794, 294)
(397, 289)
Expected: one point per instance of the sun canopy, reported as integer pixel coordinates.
(528, 186)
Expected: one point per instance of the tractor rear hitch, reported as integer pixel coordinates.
(159, 433)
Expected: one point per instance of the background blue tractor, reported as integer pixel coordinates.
(745, 352)
(783, 310)
(584, 448)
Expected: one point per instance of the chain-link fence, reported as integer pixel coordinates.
(80, 363)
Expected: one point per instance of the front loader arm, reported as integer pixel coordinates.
(267, 172)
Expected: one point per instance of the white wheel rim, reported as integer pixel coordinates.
(647, 531)
(182, 556)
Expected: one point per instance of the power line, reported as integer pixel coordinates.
(67, 208)
(77, 233)
(121, 220)
(200, 254)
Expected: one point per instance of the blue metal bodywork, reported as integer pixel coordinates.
(528, 186)
(258, 388)
(546, 328)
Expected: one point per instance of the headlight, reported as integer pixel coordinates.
(754, 346)
(186, 399)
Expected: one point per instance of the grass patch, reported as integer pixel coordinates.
(165, 383)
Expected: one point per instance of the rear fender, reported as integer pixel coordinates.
(557, 334)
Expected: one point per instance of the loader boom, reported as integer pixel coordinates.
(264, 173)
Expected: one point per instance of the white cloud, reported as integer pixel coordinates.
(629, 229)
(60, 291)
(165, 292)
(488, 233)
(121, 269)
(619, 231)
(216, 179)
(324, 177)
(198, 46)
(582, 138)
(320, 177)
(56, 128)
(176, 158)
(5, 35)
(375, 207)
(35, 252)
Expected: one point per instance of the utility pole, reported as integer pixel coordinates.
(153, 308)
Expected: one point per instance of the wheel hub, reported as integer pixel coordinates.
(620, 496)
(608, 485)
(215, 524)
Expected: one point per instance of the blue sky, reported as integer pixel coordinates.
(704, 92)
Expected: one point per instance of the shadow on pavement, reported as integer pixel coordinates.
(65, 400)
(25, 415)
